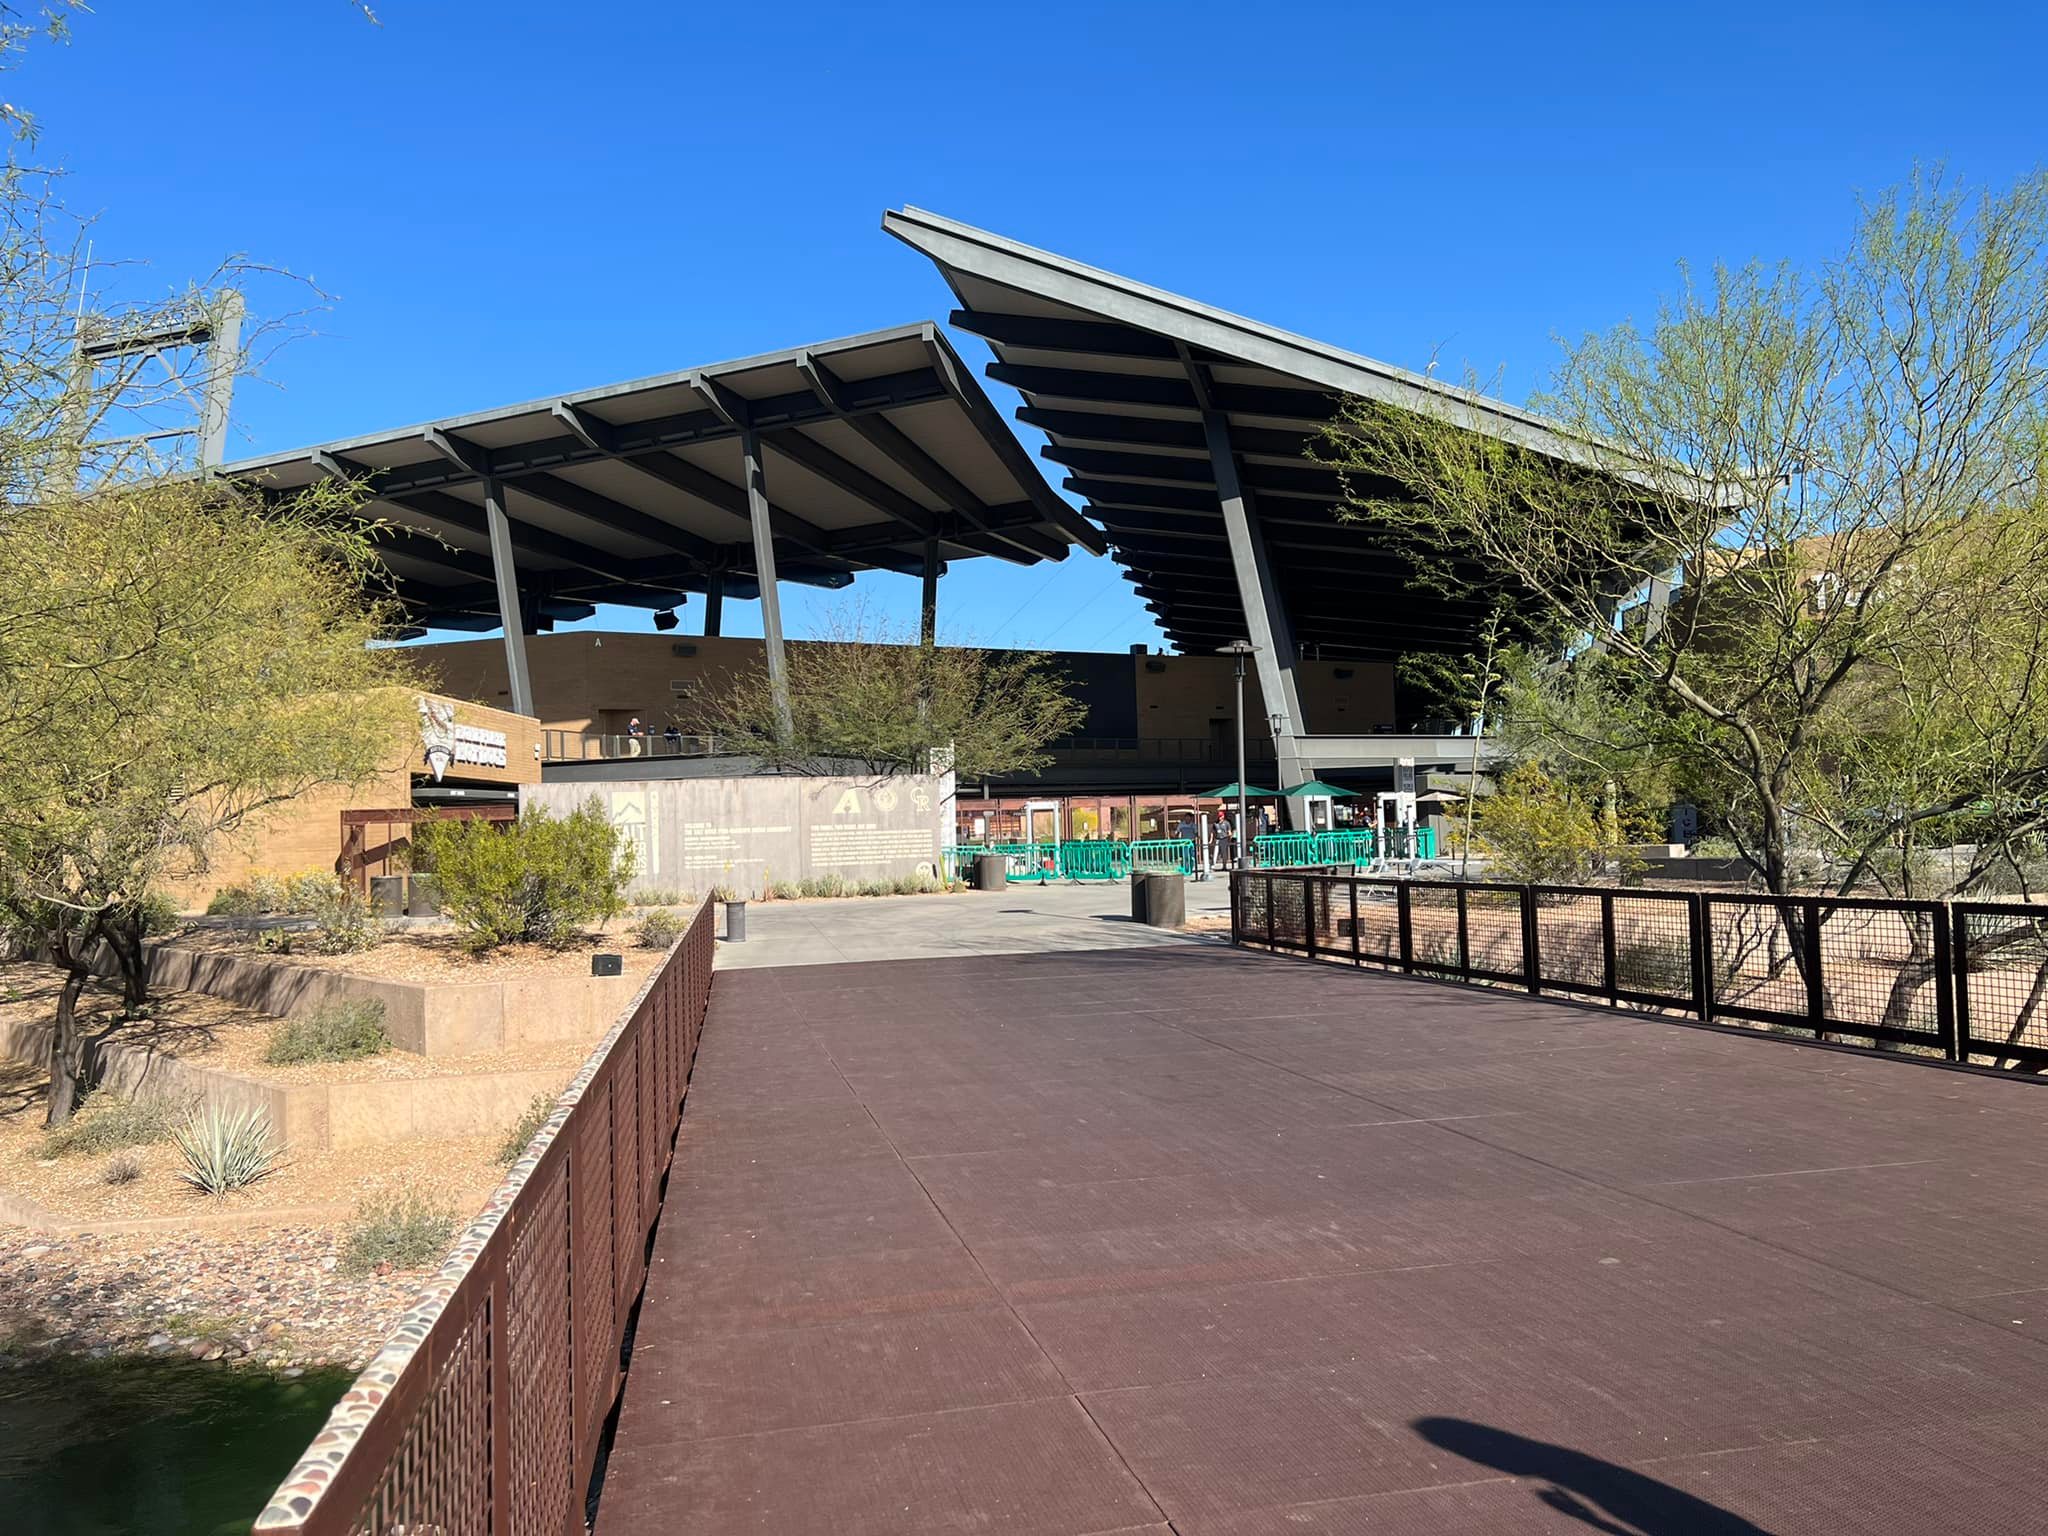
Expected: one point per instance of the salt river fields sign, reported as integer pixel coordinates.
(747, 833)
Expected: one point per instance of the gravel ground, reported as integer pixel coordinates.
(276, 1298)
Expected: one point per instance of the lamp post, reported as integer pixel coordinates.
(1237, 650)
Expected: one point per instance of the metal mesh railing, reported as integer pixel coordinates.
(2001, 970)
(1967, 981)
(483, 1415)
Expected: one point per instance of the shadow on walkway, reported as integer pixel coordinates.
(1628, 1503)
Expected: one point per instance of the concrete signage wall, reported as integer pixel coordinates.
(746, 833)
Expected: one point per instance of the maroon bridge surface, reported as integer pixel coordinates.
(1188, 1240)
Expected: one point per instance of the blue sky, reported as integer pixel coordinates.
(509, 199)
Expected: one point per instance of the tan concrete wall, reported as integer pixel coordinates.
(589, 681)
(304, 834)
(442, 1019)
(698, 834)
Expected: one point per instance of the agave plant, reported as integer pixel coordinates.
(226, 1149)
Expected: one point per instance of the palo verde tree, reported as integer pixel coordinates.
(872, 696)
(1842, 469)
(176, 656)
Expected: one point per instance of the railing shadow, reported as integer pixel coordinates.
(1602, 1495)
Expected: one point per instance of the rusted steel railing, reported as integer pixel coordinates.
(483, 1413)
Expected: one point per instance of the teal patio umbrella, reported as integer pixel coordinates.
(1317, 788)
(1235, 791)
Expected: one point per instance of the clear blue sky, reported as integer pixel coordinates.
(510, 199)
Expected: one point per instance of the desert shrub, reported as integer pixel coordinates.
(124, 1168)
(659, 929)
(343, 921)
(724, 893)
(226, 1149)
(405, 1231)
(305, 893)
(539, 880)
(786, 890)
(275, 941)
(158, 914)
(347, 1029)
(1543, 830)
(1646, 966)
(661, 896)
(525, 1128)
(874, 888)
(827, 885)
(107, 1122)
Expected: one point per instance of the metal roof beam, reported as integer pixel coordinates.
(1041, 333)
(1303, 405)
(852, 479)
(1018, 546)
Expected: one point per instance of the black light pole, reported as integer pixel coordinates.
(1238, 650)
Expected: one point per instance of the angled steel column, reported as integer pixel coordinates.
(928, 614)
(714, 602)
(1265, 618)
(507, 574)
(764, 573)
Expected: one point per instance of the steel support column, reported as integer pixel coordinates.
(509, 616)
(928, 612)
(764, 572)
(1265, 617)
(714, 602)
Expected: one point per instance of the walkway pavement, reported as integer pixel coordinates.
(1187, 1240)
(1020, 918)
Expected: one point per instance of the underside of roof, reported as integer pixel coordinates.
(1119, 377)
(874, 449)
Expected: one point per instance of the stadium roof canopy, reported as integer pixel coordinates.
(1164, 412)
(876, 452)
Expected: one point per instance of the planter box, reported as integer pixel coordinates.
(314, 1115)
(427, 1018)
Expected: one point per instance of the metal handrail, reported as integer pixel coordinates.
(485, 1410)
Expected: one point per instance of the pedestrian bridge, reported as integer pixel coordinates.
(1186, 1239)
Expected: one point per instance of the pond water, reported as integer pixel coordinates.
(148, 1444)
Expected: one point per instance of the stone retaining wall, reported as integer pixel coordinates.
(426, 1018)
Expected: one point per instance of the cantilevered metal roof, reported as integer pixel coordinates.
(1119, 377)
(635, 493)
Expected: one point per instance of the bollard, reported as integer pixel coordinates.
(736, 922)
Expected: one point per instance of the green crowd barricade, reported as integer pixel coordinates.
(1282, 850)
(1159, 855)
(1094, 861)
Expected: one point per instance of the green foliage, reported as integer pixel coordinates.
(401, 1231)
(659, 929)
(1844, 467)
(226, 1149)
(785, 890)
(108, 1121)
(347, 1029)
(1539, 830)
(826, 885)
(344, 924)
(661, 896)
(868, 693)
(540, 880)
(525, 1128)
(725, 893)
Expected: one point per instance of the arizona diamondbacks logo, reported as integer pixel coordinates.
(437, 734)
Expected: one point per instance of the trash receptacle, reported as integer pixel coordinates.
(735, 922)
(991, 871)
(1159, 900)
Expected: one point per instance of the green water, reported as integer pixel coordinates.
(145, 1444)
